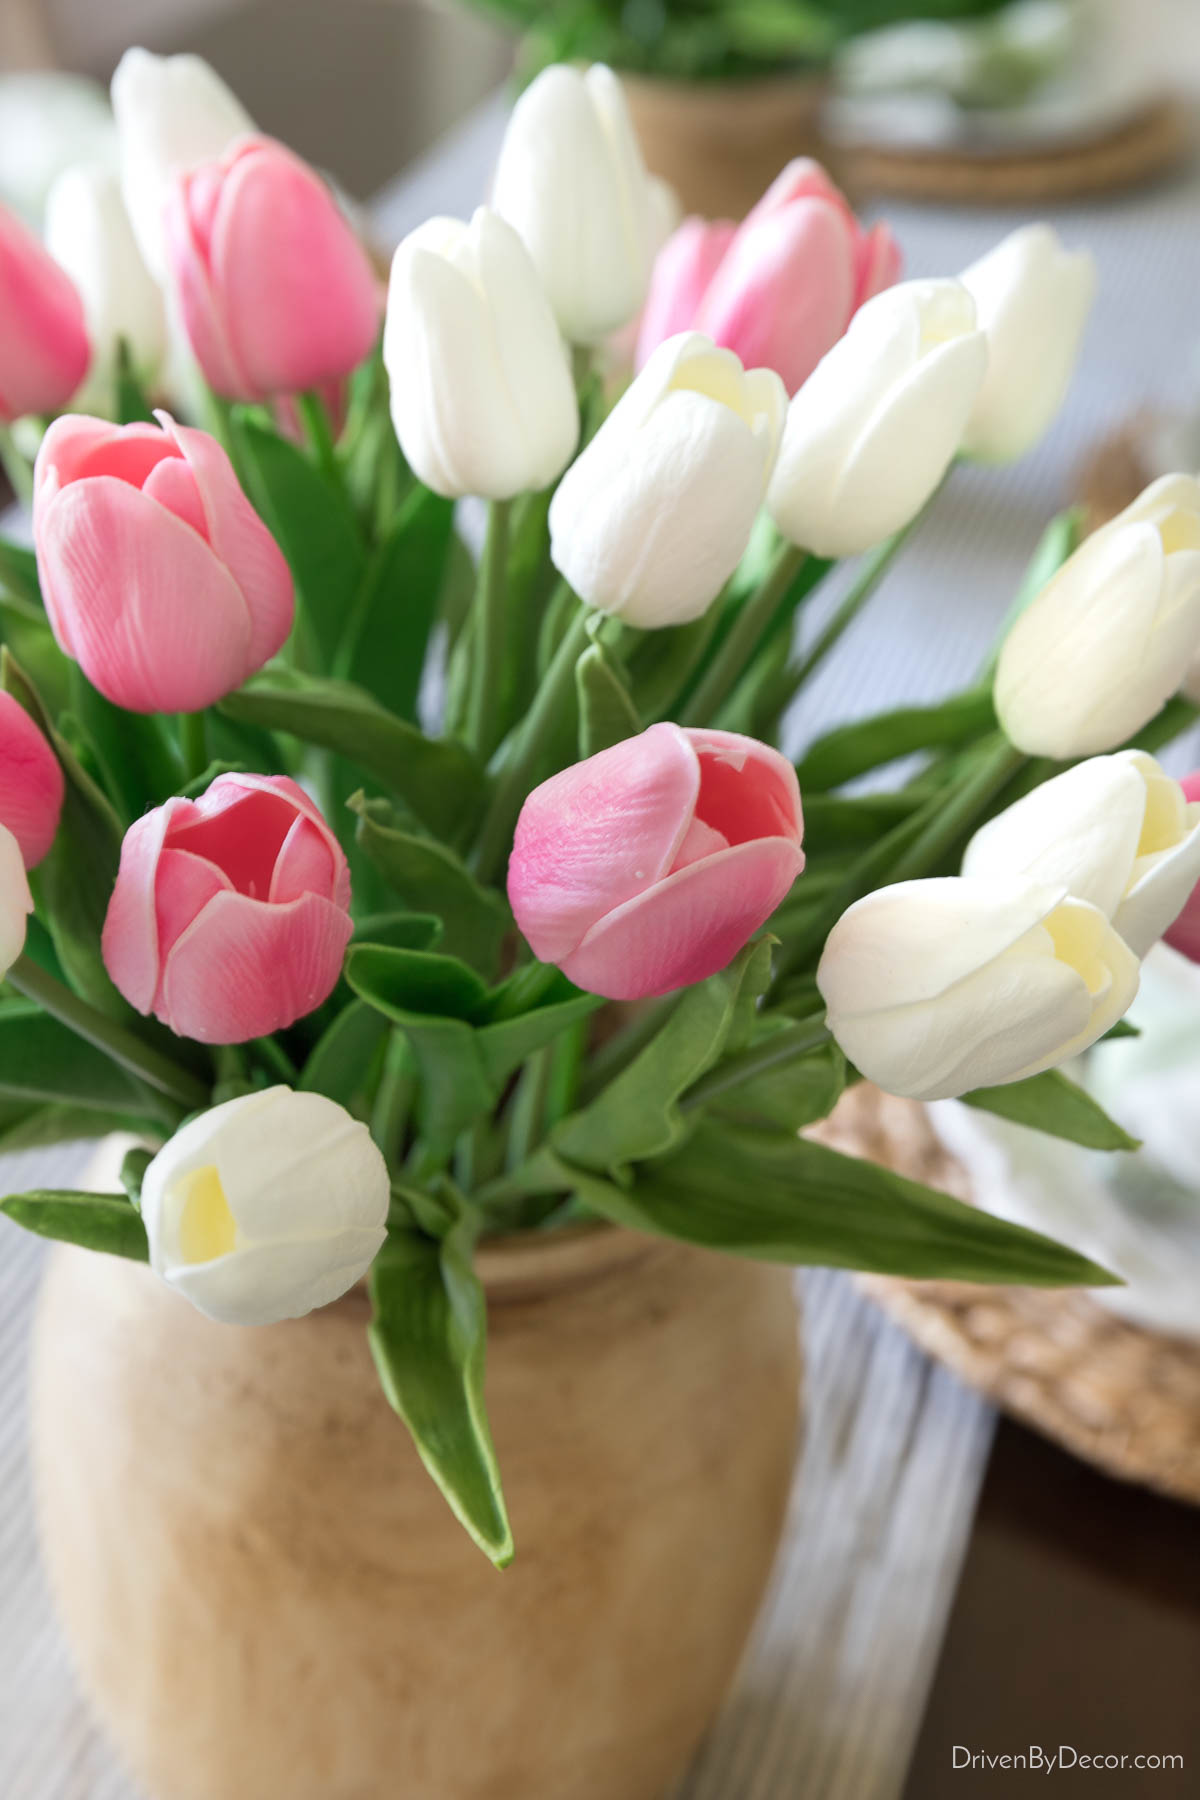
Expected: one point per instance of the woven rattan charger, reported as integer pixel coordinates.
(1122, 1397)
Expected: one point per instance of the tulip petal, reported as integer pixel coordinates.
(31, 782)
(688, 926)
(740, 807)
(245, 968)
(44, 350)
(129, 943)
(265, 1283)
(305, 864)
(683, 269)
(183, 885)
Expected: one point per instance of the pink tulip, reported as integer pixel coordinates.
(779, 289)
(275, 290)
(229, 918)
(1184, 934)
(44, 351)
(31, 782)
(648, 866)
(159, 577)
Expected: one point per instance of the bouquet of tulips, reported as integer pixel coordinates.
(393, 902)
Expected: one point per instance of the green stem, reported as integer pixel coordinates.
(16, 467)
(875, 568)
(556, 692)
(193, 742)
(772, 1053)
(957, 812)
(116, 1041)
(315, 419)
(483, 705)
(393, 1099)
(742, 639)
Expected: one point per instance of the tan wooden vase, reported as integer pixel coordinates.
(721, 143)
(269, 1600)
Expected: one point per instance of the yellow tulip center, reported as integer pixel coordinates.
(718, 378)
(1077, 933)
(206, 1227)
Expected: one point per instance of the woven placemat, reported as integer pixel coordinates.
(1145, 145)
(1120, 1396)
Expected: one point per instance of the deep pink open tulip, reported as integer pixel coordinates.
(649, 865)
(779, 289)
(44, 351)
(31, 782)
(276, 292)
(159, 578)
(229, 918)
(1184, 934)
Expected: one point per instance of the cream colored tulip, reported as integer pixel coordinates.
(874, 428)
(1110, 637)
(653, 517)
(1032, 300)
(570, 179)
(266, 1206)
(481, 390)
(934, 988)
(1115, 830)
(16, 901)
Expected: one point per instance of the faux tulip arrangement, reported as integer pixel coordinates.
(394, 904)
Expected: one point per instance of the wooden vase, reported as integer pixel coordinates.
(721, 143)
(267, 1597)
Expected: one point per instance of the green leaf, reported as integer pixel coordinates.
(1051, 1103)
(400, 930)
(428, 876)
(507, 1043)
(437, 777)
(18, 572)
(1060, 540)
(836, 821)
(75, 881)
(386, 638)
(130, 396)
(136, 757)
(868, 744)
(313, 526)
(133, 1172)
(41, 1060)
(95, 1221)
(428, 1337)
(346, 1058)
(780, 1198)
(25, 628)
(788, 1098)
(637, 1114)
(402, 982)
(25, 1127)
(606, 712)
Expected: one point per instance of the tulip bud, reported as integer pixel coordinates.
(31, 783)
(87, 231)
(1032, 300)
(571, 181)
(172, 112)
(934, 988)
(874, 428)
(648, 866)
(16, 901)
(779, 289)
(482, 396)
(1116, 831)
(159, 578)
(230, 914)
(43, 343)
(274, 288)
(1109, 638)
(266, 1207)
(653, 517)
(1184, 934)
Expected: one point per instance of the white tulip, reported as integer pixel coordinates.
(16, 901)
(1032, 300)
(874, 428)
(571, 180)
(653, 517)
(1109, 638)
(266, 1207)
(172, 112)
(87, 231)
(935, 988)
(482, 396)
(1115, 830)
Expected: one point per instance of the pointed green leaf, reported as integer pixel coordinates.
(136, 757)
(791, 1097)
(400, 930)
(346, 1056)
(133, 1172)
(386, 637)
(867, 744)
(607, 714)
(415, 981)
(428, 876)
(428, 1337)
(1052, 1103)
(95, 1221)
(41, 1060)
(18, 572)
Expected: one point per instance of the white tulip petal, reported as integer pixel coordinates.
(16, 901)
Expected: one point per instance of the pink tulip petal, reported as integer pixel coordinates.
(233, 791)
(129, 942)
(173, 485)
(305, 865)
(296, 289)
(183, 885)
(784, 293)
(240, 540)
(683, 270)
(688, 926)
(242, 837)
(1184, 934)
(879, 264)
(801, 179)
(187, 259)
(244, 968)
(31, 782)
(44, 350)
(600, 832)
(747, 789)
(133, 560)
